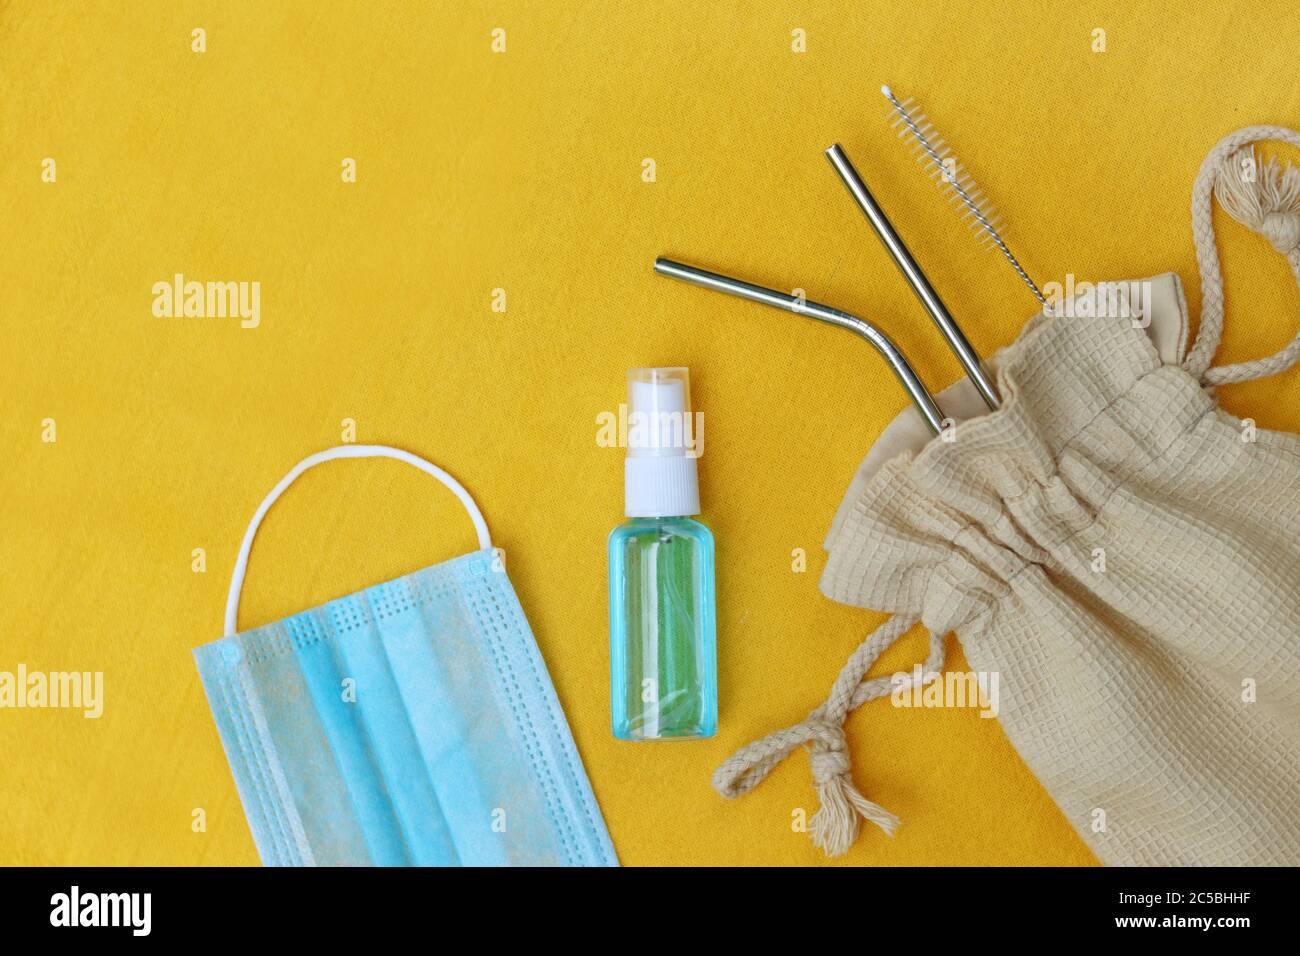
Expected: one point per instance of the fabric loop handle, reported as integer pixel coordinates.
(330, 454)
(1266, 199)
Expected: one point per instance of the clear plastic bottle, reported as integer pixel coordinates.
(663, 659)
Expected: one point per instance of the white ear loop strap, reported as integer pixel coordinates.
(311, 461)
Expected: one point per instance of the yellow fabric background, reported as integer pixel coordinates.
(522, 170)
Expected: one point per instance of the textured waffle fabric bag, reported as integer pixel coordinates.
(1122, 552)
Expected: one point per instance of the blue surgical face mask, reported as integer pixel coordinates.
(409, 723)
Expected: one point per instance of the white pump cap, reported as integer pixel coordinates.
(659, 477)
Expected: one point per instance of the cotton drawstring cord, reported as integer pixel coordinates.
(1264, 197)
(835, 824)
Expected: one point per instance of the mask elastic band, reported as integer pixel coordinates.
(339, 451)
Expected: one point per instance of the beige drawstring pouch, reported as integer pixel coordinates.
(1123, 553)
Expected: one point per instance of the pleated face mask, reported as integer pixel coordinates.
(412, 723)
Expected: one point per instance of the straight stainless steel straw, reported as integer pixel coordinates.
(823, 313)
(893, 243)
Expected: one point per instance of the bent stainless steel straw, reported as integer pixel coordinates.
(823, 313)
(893, 243)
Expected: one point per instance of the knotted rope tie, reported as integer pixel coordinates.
(837, 821)
(1283, 230)
(1263, 196)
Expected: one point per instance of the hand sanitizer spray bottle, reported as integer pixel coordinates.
(663, 658)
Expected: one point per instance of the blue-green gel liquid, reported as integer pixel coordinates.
(663, 658)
